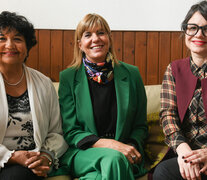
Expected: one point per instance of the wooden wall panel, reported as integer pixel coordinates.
(44, 52)
(68, 48)
(151, 52)
(117, 37)
(56, 54)
(33, 59)
(128, 47)
(176, 46)
(152, 58)
(164, 53)
(141, 53)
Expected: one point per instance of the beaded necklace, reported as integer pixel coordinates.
(15, 84)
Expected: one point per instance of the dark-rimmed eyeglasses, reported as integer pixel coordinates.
(192, 29)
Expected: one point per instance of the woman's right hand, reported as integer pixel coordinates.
(187, 170)
(27, 158)
(128, 150)
(20, 157)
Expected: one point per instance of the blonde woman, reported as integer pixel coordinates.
(103, 106)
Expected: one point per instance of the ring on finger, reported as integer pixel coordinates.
(134, 157)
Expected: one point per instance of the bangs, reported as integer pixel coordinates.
(90, 23)
(94, 23)
(7, 29)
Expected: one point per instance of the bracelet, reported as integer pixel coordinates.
(48, 157)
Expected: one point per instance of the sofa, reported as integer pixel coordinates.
(155, 147)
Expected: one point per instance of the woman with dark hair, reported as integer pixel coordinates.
(184, 104)
(31, 136)
(103, 106)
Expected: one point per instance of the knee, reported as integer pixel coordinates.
(161, 171)
(115, 157)
(158, 172)
(14, 172)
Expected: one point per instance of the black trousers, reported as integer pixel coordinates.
(17, 172)
(169, 170)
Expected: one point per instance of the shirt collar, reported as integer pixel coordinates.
(200, 72)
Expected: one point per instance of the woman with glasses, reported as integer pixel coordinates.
(183, 112)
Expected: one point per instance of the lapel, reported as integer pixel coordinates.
(82, 93)
(121, 80)
(204, 94)
(3, 110)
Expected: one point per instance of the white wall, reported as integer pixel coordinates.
(164, 15)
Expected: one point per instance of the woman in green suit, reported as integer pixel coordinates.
(103, 106)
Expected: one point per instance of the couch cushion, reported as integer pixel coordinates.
(56, 85)
(155, 147)
(153, 98)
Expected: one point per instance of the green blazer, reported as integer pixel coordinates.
(77, 111)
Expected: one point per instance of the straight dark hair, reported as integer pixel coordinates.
(200, 7)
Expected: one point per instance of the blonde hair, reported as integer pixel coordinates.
(90, 21)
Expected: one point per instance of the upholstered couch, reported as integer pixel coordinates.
(155, 147)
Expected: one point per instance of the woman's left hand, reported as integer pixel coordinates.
(198, 157)
(129, 151)
(39, 165)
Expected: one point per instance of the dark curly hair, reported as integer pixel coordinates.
(12, 21)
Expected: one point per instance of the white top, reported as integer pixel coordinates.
(45, 112)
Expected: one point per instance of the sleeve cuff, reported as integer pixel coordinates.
(133, 143)
(48, 152)
(87, 142)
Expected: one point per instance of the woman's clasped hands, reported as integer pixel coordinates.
(36, 161)
(197, 157)
(187, 170)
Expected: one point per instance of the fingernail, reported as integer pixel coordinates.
(185, 161)
(191, 162)
(183, 157)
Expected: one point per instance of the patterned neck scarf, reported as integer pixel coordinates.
(100, 72)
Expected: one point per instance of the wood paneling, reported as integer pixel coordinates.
(68, 47)
(176, 46)
(56, 54)
(151, 52)
(33, 59)
(152, 57)
(117, 37)
(128, 47)
(164, 53)
(44, 52)
(141, 54)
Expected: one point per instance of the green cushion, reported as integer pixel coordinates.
(155, 147)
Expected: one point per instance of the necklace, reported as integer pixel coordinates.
(16, 82)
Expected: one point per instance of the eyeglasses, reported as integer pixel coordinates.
(192, 29)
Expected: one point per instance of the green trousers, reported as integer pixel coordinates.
(102, 164)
